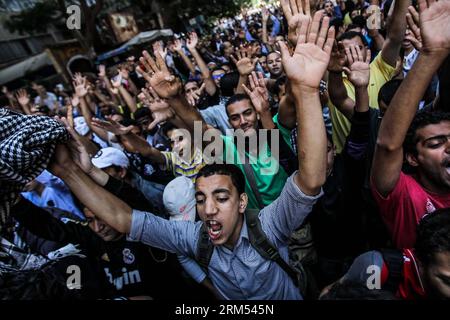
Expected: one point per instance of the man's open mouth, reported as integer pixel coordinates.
(214, 229)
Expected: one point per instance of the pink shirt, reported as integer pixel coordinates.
(403, 208)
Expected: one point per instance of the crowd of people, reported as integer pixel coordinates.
(299, 152)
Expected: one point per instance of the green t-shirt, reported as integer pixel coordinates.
(269, 175)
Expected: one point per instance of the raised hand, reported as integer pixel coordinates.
(412, 17)
(192, 41)
(435, 26)
(23, 97)
(75, 101)
(258, 93)
(359, 71)
(160, 109)
(295, 11)
(337, 58)
(124, 73)
(101, 71)
(308, 63)
(78, 150)
(244, 62)
(194, 96)
(112, 126)
(117, 81)
(158, 76)
(265, 14)
(80, 86)
(177, 45)
(158, 48)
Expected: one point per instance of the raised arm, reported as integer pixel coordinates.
(178, 47)
(130, 141)
(105, 205)
(336, 87)
(359, 76)
(245, 64)
(395, 33)
(388, 158)
(294, 11)
(23, 98)
(81, 92)
(169, 87)
(129, 100)
(210, 85)
(259, 95)
(304, 70)
(373, 30)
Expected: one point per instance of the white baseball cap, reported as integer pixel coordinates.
(81, 127)
(179, 199)
(107, 157)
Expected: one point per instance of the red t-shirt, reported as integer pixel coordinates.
(403, 208)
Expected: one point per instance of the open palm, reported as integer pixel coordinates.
(308, 63)
(435, 25)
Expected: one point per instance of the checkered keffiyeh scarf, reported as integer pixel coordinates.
(26, 145)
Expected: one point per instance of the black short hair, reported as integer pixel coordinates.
(388, 90)
(352, 34)
(281, 81)
(349, 290)
(433, 235)
(337, 24)
(236, 175)
(422, 119)
(236, 98)
(228, 83)
(142, 113)
(359, 21)
(166, 127)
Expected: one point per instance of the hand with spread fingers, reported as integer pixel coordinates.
(78, 151)
(160, 109)
(258, 93)
(192, 41)
(158, 48)
(296, 12)
(80, 85)
(359, 71)
(307, 65)
(158, 76)
(193, 96)
(112, 126)
(101, 71)
(337, 58)
(435, 26)
(245, 62)
(413, 31)
(23, 97)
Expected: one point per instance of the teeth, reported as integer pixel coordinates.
(215, 233)
(213, 222)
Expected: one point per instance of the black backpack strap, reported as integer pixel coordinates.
(204, 249)
(394, 261)
(262, 245)
(250, 176)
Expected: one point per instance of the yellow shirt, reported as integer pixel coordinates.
(380, 73)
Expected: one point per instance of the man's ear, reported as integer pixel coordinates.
(412, 160)
(123, 173)
(243, 202)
